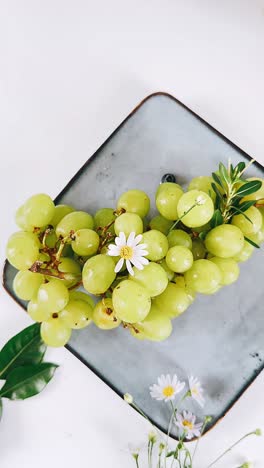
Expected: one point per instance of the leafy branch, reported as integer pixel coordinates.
(230, 188)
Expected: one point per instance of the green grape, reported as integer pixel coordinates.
(170, 274)
(245, 253)
(38, 210)
(246, 226)
(204, 276)
(173, 301)
(261, 210)
(77, 314)
(131, 301)
(160, 224)
(26, 284)
(205, 227)
(81, 296)
(22, 250)
(55, 333)
(134, 201)
(37, 312)
(153, 278)
(71, 270)
(59, 213)
(86, 242)
(51, 239)
(179, 259)
(167, 197)
(198, 249)
(53, 296)
(43, 257)
(21, 220)
(180, 281)
(203, 183)
(73, 222)
(98, 274)
(67, 251)
(259, 194)
(155, 327)
(127, 223)
(104, 315)
(179, 237)
(229, 269)
(156, 245)
(202, 211)
(224, 241)
(102, 218)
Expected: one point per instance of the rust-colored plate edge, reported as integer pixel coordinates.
(67, 186)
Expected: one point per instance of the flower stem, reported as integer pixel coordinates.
(199, 438)
(230, 448)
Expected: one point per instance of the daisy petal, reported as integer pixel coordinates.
(137, 264)
(131, 239)
(129, 268)
(119, 265)
(138, 238)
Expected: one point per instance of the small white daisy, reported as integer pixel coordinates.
(196, 390)
(186, 424)
(167, 388)
(130, 251)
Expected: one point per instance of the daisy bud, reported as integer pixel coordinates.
(161, 447)
(258, 432)
(208, 419)
(128, 398)
(152, 437)
(247, 465)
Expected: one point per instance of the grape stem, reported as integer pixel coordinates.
(46, 232)
(36, 268)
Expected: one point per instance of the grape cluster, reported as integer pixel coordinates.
(192, 246)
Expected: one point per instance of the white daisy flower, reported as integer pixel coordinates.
(196, 390)
(186, 424)
(130, 251)
(167, 388)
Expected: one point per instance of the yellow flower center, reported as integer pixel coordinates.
(168, 391)
(188, 424)
(194, 391)
(126, 252)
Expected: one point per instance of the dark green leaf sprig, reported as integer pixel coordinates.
(230, 188)
(22, 366)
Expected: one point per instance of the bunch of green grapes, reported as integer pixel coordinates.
(193, 245)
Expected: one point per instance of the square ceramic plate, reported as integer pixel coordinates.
(219, 338)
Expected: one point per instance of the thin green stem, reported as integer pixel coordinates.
(199, 438)
(230, 448)
(179, 219)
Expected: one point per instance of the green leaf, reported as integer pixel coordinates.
(203, 235)
(216, 190)
(24, 348)
(239, 168)
(1, 408)
(224, 174)
(170, 454)
(26, 381)
(244, 206)
(252, 243)
(217, 219)
(248, 188)
(237, 210)
(217, 179)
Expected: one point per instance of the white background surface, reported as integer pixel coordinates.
(70, 71)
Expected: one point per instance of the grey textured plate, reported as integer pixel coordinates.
(220, 338)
